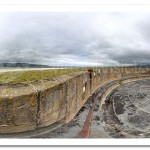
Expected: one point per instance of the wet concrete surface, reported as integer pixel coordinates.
(128, 111)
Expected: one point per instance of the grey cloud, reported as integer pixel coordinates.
(75, 38)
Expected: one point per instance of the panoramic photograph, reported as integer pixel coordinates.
(74, 75)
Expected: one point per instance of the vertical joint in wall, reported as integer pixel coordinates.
(66, 102)
(38, 109)
(90, 70)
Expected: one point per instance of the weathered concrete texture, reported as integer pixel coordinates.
(18, 109)
(28, 106)
(51, 103)
(130, 105)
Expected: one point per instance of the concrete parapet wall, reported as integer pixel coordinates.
(32, 105)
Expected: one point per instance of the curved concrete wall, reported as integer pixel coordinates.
(27, 106)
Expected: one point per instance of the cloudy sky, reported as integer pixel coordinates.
(65, 38)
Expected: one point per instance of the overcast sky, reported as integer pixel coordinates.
(75, 38)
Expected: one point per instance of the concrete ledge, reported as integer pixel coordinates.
(28, 106)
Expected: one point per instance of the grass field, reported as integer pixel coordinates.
(17, 76)
(31, 75)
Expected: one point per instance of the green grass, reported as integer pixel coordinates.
(31, 75)
(120, 83)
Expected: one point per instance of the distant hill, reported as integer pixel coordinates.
(141, 65)
(27, 65)
(22, 65)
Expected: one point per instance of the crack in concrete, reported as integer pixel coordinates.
(38, 109)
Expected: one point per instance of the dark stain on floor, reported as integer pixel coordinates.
(128, 109)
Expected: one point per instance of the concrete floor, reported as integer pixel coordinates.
(128, 110)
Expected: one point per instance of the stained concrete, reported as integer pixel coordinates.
(128, 112)
(58, 100)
